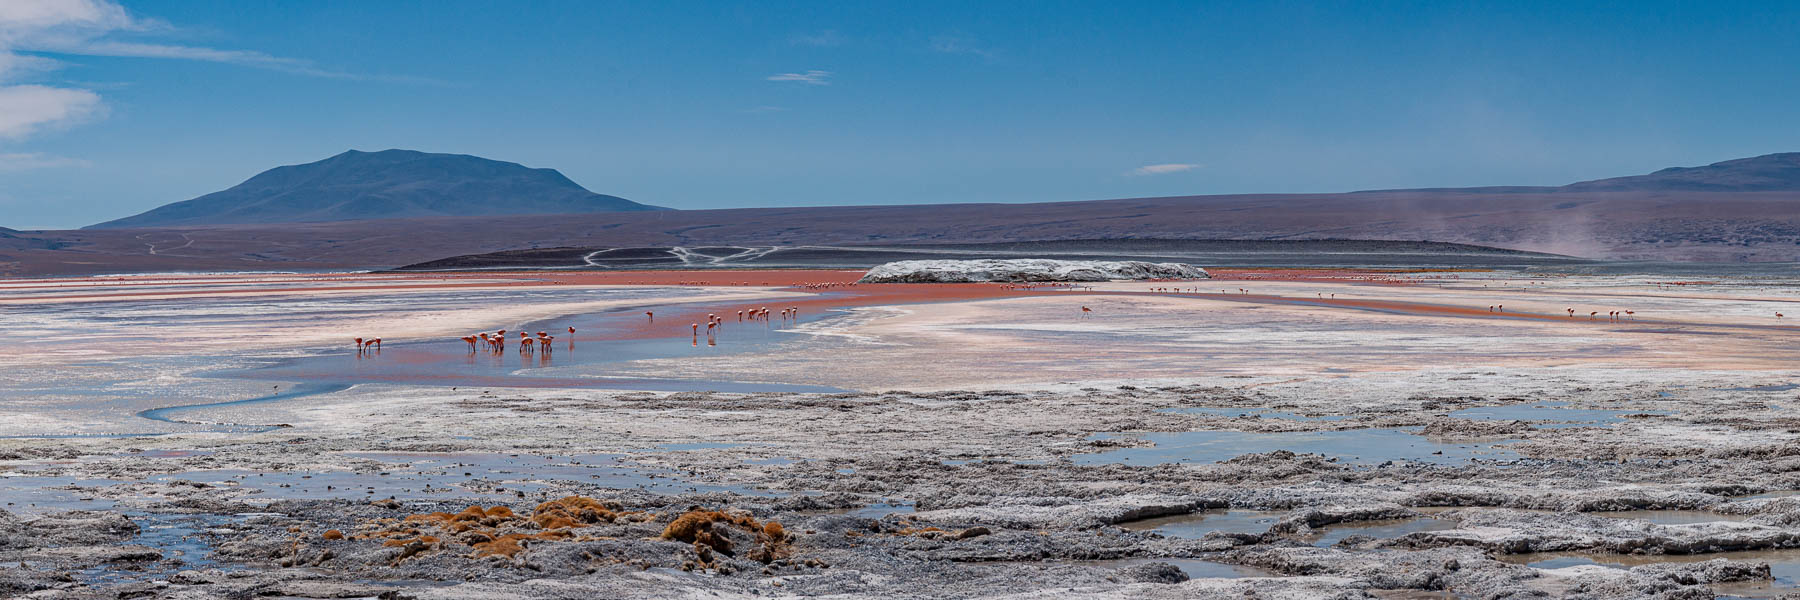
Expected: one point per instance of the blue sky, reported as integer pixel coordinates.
(108, 109)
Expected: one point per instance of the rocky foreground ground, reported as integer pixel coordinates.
(930, 495)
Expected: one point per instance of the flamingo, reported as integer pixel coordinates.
(359, 344)
(1085, 312)
(651, 315)
(471, 340)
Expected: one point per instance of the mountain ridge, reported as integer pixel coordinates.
(356, 185)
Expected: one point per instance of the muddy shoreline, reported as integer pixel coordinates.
(932, 494)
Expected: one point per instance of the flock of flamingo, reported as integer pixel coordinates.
(541, 343)
(496, 342)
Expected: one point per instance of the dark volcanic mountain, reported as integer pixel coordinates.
(1766, 173)
(391, 184)
(1735, 211)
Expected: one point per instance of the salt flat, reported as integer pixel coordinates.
(979, 441)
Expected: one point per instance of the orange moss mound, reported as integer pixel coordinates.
(573, 511)
(493, 531)
(711, 530)
(498, 531)
(333, 534)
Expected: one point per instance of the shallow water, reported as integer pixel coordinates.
(1784, 565)
(1194, 568)
(1366, 446)
(1557, 413)
(1261, 413)
(29, 495)
(571, 364)
(1198, 524)
(128, 394)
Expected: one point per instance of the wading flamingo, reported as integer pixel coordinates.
(471, 340)
(650, 315)
(1085, 312)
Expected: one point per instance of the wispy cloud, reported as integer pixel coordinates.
(824, 39)
(1162, 169)
(30, 29)
(27, 109)
(809, 77)
(26, 161)
(956, 43)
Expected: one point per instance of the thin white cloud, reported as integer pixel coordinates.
(962, 44)
(87, 27)
(1162, 169)
(27, 109)
(809, 77)
(30, 29)
(26, 161)
(824, 39)
(28, 15)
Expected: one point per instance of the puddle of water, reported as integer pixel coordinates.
(1549, 411)
(1659, 517)
(1775, 494)
(1199, 524)
(180, 539)
(1262, 413)
(880, 510)
(1194, 525)
(1366, 446)
(166, 414)
(1193, 567)
(1330, 535)
(1784, 565)
(1672, 517)
(27, 495)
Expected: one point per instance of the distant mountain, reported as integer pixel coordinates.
(1766, 173)
(390, 184)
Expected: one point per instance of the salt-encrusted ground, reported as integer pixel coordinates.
(1457, 455)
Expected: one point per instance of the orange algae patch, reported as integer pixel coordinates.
(493, 531)
(712, 530)
(333, 534)
(573, 511)
(498, 531)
